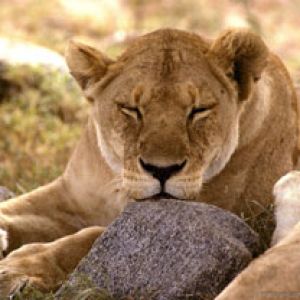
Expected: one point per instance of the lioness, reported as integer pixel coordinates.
(175, 115)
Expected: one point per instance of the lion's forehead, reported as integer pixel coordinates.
(167, 63)
(180, 94)
(166, 79)
(166, 54)
(168, 41)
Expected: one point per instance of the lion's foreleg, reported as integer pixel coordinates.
(43, 215)
(45, 265)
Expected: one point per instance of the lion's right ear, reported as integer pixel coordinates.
(86, 64)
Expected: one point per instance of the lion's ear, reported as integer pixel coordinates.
(243, 56)
(86, 64)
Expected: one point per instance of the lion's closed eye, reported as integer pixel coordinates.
(200, 112)
(133, 112)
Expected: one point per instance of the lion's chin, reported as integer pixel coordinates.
(151, 190)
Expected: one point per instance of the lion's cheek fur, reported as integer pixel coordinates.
(223, 155)
(111, 149)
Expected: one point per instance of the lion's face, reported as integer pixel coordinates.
(167, 136)
(166, 117)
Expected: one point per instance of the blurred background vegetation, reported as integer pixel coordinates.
(41, 109)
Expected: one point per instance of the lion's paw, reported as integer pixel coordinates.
(287, 204)
(12, 283)
(31, 265)
(3, 242)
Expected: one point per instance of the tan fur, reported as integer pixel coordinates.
(231, 153)
(287, 205)
(275, 274)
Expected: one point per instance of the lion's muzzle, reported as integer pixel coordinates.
(162, 173)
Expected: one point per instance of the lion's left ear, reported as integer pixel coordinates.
(86, 64)
(243, 56)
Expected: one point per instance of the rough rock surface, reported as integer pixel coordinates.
(167, 250)
(5, 193)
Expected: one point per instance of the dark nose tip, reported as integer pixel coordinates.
(162, 173)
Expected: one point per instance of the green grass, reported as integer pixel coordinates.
(89, 293)
(41, 117)
(31, 293)
(85, 290)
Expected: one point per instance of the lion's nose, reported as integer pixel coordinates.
(162, 173)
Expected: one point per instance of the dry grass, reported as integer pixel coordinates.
(41, 117)
(262, 220)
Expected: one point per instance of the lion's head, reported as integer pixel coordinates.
(166, 112)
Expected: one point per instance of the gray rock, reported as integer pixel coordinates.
(5, 193)
(167, 250)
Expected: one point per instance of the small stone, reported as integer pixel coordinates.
(5, 193)
(167, 250)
